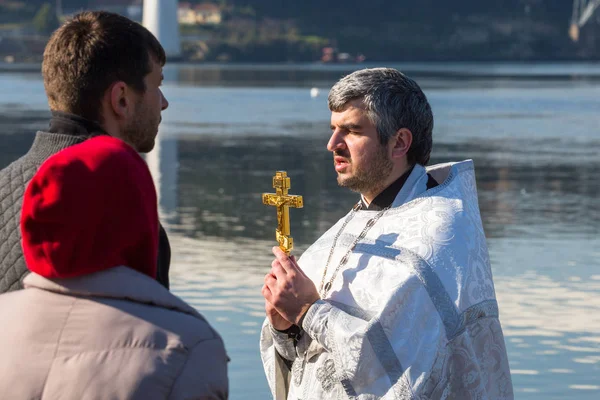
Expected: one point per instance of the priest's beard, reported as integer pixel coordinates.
(371, 175)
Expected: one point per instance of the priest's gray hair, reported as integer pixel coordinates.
(393, 101)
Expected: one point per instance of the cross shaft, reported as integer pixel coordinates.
(283, 201)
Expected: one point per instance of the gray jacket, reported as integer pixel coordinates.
(115, 334)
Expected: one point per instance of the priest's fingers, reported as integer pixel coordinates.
(293, 258)
(284, 260)
(266, 292)
(270, 279)
(269, 307)
(296, 268)
(270, 283)
(277, 270)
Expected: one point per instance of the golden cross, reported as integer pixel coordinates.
(283, 201)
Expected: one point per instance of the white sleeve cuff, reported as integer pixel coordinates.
(316, 320)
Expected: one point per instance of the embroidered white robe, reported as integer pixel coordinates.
(413, 313)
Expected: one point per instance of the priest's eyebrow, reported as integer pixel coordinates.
(347, 127)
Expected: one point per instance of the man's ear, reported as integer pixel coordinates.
(120, 103)
(401, 142)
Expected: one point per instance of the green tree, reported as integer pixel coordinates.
(45, 20)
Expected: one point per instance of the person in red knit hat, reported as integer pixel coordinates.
(92, 321)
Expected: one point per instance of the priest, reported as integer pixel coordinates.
(396, 300)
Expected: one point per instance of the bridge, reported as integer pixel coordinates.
(582, 12)
(160, 17)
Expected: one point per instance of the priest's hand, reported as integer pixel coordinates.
(275, 319)
(288, 289)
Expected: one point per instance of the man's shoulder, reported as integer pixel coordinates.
(27, 164)
(14, 178)
(20, 165)
(44, 145)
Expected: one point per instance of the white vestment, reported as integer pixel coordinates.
(411, 315)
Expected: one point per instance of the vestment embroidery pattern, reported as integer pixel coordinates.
(326, 375)
(473, 372)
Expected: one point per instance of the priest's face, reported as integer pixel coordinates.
(362, 163)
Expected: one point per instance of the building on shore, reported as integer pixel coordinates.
(200, 14)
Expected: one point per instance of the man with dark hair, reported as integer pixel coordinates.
(396, 300)
(102, 74)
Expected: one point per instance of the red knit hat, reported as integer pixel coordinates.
(89, 208)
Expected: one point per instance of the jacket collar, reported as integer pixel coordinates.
(120, 283)
(64, 130)
(71, 124)
(47, 144)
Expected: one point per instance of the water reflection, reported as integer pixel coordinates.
(218, 183)
(163, 163)
(550, 306)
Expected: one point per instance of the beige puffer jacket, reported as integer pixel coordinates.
(116, 334)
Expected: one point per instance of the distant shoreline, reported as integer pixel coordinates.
(555, 70)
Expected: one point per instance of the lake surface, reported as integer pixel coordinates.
(532, 131)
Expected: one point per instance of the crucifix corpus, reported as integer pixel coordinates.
(283, 201)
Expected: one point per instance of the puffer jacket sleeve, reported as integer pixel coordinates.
(204, 376)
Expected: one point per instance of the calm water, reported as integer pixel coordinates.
(533, 133)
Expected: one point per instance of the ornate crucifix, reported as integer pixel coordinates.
(283, 201)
